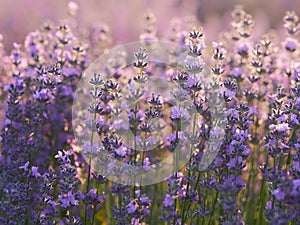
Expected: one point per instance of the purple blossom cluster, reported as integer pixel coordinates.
(254, 178)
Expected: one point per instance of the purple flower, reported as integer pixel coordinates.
(296, 188)
(279, 194)
(93, 198)
(290, 45)
(296, 166)
(169, 200)
(131, 207)
(67, 200)
(236, 72)
(34, 172)
(121, 151)
(178, 113)
(25, 167)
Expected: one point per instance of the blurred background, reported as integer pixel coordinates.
(18, 17)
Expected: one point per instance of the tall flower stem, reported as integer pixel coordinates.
(214, 207)
(251, 177)
(90, 157)
(135, 144)
(108, 202)
(94, 209)
(153, 201)
(189, 172)
(176, 166)
(87, 190)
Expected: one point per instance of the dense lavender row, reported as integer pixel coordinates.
(45, 178)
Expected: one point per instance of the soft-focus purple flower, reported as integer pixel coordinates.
(296, 166)
(25, 167)
(34, 172)
(67, 200)
(169, 201)
(131, 208)
(178, 113)
(278, 194)
(236, 72)
(291, 45)
(121, 151)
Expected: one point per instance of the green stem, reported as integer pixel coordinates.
(108, 202)
(135, 153)
(176, 166)
(214, 206)
(94, 210)
(87, 190)
(250, 191)
(196, 185)
(183, 216)
(89, 165)
(273, 184)
(174, 220)
(259, 208)
(153, 202)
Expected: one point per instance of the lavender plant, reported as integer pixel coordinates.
(51, 164)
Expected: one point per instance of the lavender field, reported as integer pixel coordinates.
(138, 112)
